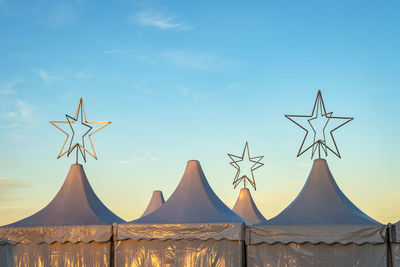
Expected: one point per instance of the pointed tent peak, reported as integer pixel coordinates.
(247, 209)
(193, 166)
(75, 204)
(321, 202)
(193, 162)
(157, 200)
(193, 201)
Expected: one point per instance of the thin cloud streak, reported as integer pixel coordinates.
(15, 115)
(159, 20)
(46, 76)
(200, 61)
(8, 186)
(46, 12)
(8, 87)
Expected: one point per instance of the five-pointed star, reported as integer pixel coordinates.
(76, 145)
(319, 113)
(80, 111)
(257, 164)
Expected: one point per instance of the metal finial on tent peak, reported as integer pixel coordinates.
(319, 112)
(80, 112)
(257, 164)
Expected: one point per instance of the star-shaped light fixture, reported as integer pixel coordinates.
(72, 122)
(236, 159)
(319, 141)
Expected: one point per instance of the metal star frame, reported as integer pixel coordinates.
(319, 110)
(80, 111)
(257, 164)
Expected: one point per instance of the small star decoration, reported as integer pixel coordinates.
(319, 113)
(80, 117)
(236, 159)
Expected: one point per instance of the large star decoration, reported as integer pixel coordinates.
(319, 113)
(80, 117)
(236, 159)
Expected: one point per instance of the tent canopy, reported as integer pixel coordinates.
(321, 202)
(247, 209)
(75, 204)
(157, 199)
(75, 214)
(193, 211)
(320, 213)
(193, 201)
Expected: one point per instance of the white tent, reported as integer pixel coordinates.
(247, 209)
(156, 201)
(192, 228)
(321, 227)
(74, 229)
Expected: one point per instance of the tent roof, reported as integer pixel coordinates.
(75, 204)
(156, 201)
(193, 201)
(247, 209)
(321, 202)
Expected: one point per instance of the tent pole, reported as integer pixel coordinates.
(244, 253)
(112, 249)
(389, 259)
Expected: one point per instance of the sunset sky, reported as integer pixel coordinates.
(184, 80)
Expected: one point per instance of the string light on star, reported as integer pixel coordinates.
(80, 117)
(319, 113)
(235, 163)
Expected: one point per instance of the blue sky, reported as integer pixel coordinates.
(185, 80)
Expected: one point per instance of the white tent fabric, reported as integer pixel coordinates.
(247, 209)
(189, 231)
(157, 199)
(74, 228)
(193, 201)
(395, 243)
(320, 219)
(192, 228)
(321, 255)
(321, 202)
(75, 204)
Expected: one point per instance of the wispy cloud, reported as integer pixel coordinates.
(84, 75)
(50, 13)
(159, 20)
(24, 110)
(16, 114)
(46, 76)
(20, 110)
(195, 94)
(144, 90)
(114, 51)
(234, 85)
(8, 186)
(184, 91)
(8, 87)
(132, 55)
(196, 60)
(21, 56)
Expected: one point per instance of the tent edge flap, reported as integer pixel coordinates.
(202, 231)
(328, 234)
(52, 234)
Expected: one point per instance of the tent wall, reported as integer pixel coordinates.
(56, 254)
(396, 254)
(183, 252)
(323, 255)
